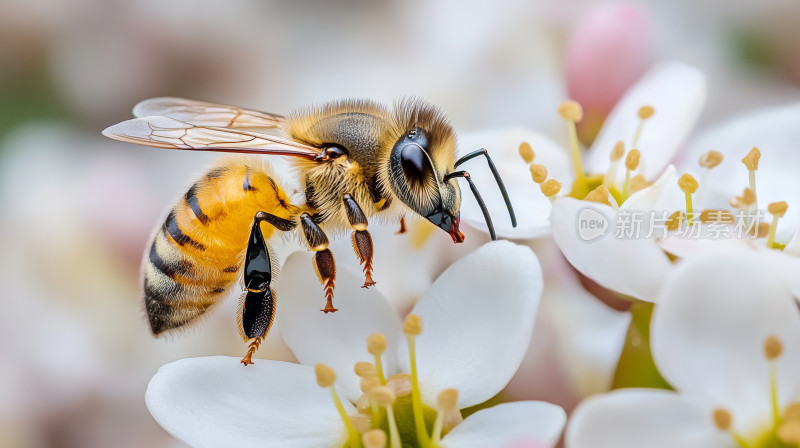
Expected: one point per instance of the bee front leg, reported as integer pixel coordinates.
(324, 263)
(362, 241)
(257, 305)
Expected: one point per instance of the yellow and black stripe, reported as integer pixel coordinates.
(196, 255)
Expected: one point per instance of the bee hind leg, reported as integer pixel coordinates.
(257, 305)
(324, 264)
(362, 240)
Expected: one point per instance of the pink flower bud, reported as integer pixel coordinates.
(610, 48)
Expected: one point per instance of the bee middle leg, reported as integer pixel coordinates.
(258, 303)
(324, 263)
(362, 241)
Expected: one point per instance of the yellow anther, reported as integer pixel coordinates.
(723, 216)
(412, 325)
(638, 182)
(325, 375)
(599, 195)
(722, 419)
(687, 183)
(401, 384)
(447, 400)
(789, 432)
(792, 412)
(777, 208)
(538, 173)
(571, 111)
(748, 198)
(675, 220)
(382, 395)
(751, 159)
(711, 159)
(646, 112)
(772, 347)
(365, 369)
(761, 230)
(526, 152)
(550, 188)
(736, 202)
(368, 382)
(375, 438)
(632, 161)
(618, 152)
(376, 344)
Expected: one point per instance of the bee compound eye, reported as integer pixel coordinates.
(416, 165)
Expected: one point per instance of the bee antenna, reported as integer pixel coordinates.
(497, 178)
(478, 198)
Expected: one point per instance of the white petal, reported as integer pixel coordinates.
(576, 342)
(338, 339)
(793, 246)
(478, 318)
(677, 92)
(636, 418)
(508, 424)
(649, 198)
(217, 402)
(531, 207)
(708, 333)
(775, 132)
(587, 234)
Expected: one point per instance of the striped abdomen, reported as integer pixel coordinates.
(196, 255)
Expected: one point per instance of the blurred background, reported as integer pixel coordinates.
(76, 209)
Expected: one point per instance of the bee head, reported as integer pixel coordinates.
(420, 159)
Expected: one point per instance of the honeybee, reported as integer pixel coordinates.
(354, 160)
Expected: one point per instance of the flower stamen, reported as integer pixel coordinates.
(385, 398)
(374, 438)
(709, 160)
(446, 402)
(550, 188)
(526, 152)
(376, 346)
(638, 182)
(572, 113)
(616, 155)
(326, 378)
(412, 327)
(773, 348)
(675, 220)
(751, 162)
(645, 112)
(538, 173)
(631, 163)
(723, 420)
(777, 210)
(599, 195)
(688, 184)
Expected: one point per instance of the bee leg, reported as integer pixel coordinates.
(402, 226)
(362, 241)
(257, 306)
(324, 263)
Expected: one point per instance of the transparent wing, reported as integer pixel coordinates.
(165, 132)
(206, 114)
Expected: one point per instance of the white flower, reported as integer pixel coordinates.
(776, 134)
(478, 318)
(634, 266)
(675, 92)
(726, 336)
